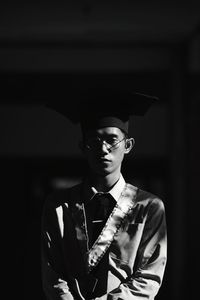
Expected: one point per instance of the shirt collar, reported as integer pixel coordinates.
(115, 192)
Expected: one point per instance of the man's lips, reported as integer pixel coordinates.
(103, 159)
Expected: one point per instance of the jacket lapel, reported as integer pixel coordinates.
(79, 218)
(122, 208)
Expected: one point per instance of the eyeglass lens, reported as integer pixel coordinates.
(110, 143)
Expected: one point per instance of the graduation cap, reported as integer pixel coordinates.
(103, 107)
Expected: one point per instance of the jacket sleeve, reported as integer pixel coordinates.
(54, 285)
(151, 258)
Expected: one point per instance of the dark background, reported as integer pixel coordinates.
(48, 47)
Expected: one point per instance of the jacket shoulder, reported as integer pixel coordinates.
(149, 207)
(58, 197)
(146, 198)
(152, 202)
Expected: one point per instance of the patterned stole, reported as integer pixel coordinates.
(106, 236)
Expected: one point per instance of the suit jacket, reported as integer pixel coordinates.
(128, 259)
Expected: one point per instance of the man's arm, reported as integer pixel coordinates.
(54, 286)
(151, 259)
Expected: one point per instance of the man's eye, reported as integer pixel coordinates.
(111, 141)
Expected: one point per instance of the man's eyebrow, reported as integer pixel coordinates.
(111, 134)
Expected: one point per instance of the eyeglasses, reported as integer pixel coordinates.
(97, 142)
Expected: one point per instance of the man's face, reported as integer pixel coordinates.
(104, 149)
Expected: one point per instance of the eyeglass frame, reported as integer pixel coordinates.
(103, 142)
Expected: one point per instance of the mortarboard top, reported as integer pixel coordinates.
(96, 108)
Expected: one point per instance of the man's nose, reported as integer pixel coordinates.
(104, 147)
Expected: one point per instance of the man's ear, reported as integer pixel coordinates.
(129, 143)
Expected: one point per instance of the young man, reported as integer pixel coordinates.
(104, 238)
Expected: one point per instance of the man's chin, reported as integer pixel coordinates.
(102, 171)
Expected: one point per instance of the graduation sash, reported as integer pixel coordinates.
(120, 211)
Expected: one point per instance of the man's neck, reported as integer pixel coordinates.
(104, 183)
